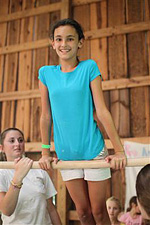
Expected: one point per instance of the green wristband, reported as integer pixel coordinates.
(46, 146)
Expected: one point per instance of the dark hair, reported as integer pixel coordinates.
(69, 22)
(3, 134)
(132, 200)
(143, 188)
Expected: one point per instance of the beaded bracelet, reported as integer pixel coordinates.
(46, 146)
(16, 185)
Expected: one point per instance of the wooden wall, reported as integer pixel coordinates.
(117, 38)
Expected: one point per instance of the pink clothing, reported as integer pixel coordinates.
(128, 220)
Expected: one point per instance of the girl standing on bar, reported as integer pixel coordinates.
(69, 93)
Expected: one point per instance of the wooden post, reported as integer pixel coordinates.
(23, 108)
(137, 62)
(119, 99)
(65, 9)
(11, 66)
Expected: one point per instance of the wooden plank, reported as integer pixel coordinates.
(117, 53)
(11, 66)
(53, 60)
(106, 85)
(84, 2)
(98, 20)
(61, 199)
(31, 12)
(40, 58)
(65, 9)
(147, 89)
(137, 62)
(93, 34)
(3, 38)
(3, 29)
(119, 101)
(23, 107)
(81, 14)
(25, 46)
(36, 146)
(117, 30)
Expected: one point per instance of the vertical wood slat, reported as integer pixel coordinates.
(3, 36)
(24, 73)
(119, 99)
(147, 89)
(98, 47)
(11, 67)
(65, 12)
(98, 19)
(40, 58)
(81, 14)
(62, 191)
(137, 63)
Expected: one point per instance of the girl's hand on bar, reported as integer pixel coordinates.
(117, 161)
(45, 162)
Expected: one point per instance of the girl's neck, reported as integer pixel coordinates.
(68, 66)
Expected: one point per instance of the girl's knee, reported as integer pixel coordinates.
(84, 215)
(99, 214)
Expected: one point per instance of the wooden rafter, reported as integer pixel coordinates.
(93, 34)
(140, 81)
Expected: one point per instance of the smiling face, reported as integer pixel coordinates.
(66, 42)
(113, 210)
(13, 145)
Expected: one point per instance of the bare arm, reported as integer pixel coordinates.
(104, 116)
(53, 213)
(45, 120)
(45, 126)
(8, 201)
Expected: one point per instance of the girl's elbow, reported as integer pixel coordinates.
(103, 115)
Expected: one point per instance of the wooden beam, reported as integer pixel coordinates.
(25, 46)
(30, 12)
(140, 81)
(36, 146)
(84, 2)
(92, 34)
(117, 30)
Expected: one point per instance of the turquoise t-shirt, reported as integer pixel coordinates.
(76, 134)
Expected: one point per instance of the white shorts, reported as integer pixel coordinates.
(88, 174)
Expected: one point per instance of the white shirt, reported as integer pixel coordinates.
(32, 205)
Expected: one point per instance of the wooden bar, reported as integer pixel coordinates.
(137, 63)
(23, 106)
(84, 2)
(91, 34)
(36, 146)
(106, 85)
(81, 164)
(117, 30)
(31, 12)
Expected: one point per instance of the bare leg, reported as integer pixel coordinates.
(97, 194)
(79, 193)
